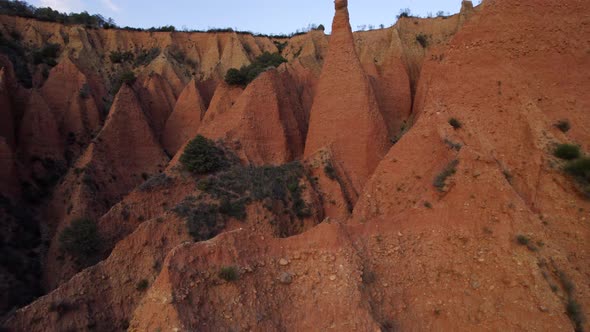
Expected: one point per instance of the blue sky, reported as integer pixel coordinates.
(264, 16)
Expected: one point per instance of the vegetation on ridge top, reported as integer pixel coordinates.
(247, 74)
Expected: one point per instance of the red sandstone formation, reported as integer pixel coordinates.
(123, 155)
(68, 94)
(263, 122)
(183, 124)
(345, 116)
(456, 229)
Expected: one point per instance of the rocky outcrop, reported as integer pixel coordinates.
(280, 279)
(345, 115)
(484, 208)
(157, 99)
(263, 122)
(183, 124)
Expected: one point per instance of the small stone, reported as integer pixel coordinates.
(286, 278)
(333, 277)
(283, 262)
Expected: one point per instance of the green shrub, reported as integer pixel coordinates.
(441, 178)
(46, 55)
(563, 125)
(81, 239)
(201, 156)
(579, 168)
(247, 74)
(142, 285)
(567, 151)
(229, 273)
(456, 124)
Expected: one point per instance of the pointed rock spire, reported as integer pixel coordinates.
(263, 120)
(345, 115)
(183, 124)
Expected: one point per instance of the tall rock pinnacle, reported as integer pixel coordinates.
(345, 115)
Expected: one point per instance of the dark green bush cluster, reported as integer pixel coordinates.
(120, 57)
(202, 156)
(145, 57)
(203, 220)
(247, 74)
(567, 151)
(47, 55)
(579, 169)
(228, 193)
(441, 178)
(243, 184)
(229, 273)
(81, 240)
(422, 39)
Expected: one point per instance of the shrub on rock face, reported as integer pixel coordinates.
(229, 273)
(81, 239)
(201, 156)
(456, 124)
(567, 151)
(563, 125)
(247, 74)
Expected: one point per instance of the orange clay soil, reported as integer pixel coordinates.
(406, 223)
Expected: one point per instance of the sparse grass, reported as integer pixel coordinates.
(455, 123)
(567, 151)
(157, 181)
(142, 285)
(563, 125)
(229, 273)
(428, 205)
(441, 178)
(120, 57)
